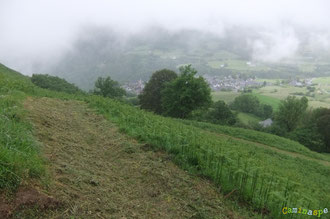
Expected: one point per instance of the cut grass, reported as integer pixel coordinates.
(99, 172)
(20, 159)
(262, 176)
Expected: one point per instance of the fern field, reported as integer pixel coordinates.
(266, 179)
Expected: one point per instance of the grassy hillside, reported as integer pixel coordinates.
(259, 137)
(106, 174)
(261, 176)
(242, 163)
(19, 156)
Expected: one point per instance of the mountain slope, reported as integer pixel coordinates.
(100, 173)
(80, 148)
(263, 176)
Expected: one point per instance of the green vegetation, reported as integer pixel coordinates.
(20, 158)
(319, 98)
(271, 101)
(221, 114)
(323, 127)
(314, 130)
(247, 118)
(185, 94)
(19, 154)
(138, 58)
(322, 80)
(290, 112)
(150, 98)
(248, 103)
(259, 137)
(227, 96)
(112, 175)
(242, 162)
(107, 87)
(54, 83)
(218, 113)
(261, 176)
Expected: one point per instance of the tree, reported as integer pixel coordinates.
(221, 114)
(290, 112)
(323, 126)
(185, 94)
(267, 111)
(246, 103)
(150, 98)
(107, 87)
(314, 130)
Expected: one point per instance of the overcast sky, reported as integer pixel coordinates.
(41, 30)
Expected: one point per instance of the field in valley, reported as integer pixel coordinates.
(272, 95)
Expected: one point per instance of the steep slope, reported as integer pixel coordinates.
(100, 173)
(263, 176)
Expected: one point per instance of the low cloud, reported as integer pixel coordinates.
(275, 46)
(37, 32)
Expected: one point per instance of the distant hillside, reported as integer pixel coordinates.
(99, 52)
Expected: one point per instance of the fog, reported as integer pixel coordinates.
(36, 34)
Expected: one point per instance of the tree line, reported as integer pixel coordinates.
(188, 96)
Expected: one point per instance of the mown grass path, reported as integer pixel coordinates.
(98, 172)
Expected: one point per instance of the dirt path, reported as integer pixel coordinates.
(100, 173)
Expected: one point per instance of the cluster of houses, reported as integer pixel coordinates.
(231, 83)
(134, 87)
(301, 83)
(216, 84)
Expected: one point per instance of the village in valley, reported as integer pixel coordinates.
(235, 83)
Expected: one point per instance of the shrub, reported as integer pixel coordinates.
(185, 94)
(220, 113)
(246, 103)
(150, 98)
(107, 87)
(54, 83)
(290, 112)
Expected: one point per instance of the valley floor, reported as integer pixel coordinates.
(97, 172)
